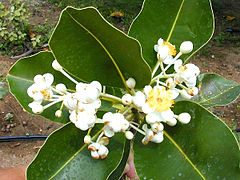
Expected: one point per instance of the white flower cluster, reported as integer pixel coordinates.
(186, 74)
(154, 102)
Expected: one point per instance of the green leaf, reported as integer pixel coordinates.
(174, 21)
(3, 91)
(203, 149)
(65, 156)
(21, 75)
(216, 90)
(92, 49)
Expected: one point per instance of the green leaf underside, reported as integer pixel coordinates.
(65, 156)
(91, 49)
(216, 90)
(203, 149)
(172, 20)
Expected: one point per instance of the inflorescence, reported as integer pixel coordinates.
(153, 103)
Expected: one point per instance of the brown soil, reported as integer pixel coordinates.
(222, 60)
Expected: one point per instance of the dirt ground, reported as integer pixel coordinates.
(216, 59)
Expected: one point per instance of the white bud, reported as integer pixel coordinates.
(184, 118)
(186, 47)
(87, 139)
(61, 87)
(97, 85)
(56, 66)
(131, 83)
(37, 108)
(127, 99)
(129, 135)
(172, 122)
(139, 99)
(58, 113)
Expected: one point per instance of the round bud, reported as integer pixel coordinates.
(61, 87)
(58, 113)
(186, 47)
(129, 135)
(131, 83)
(97, 85)
(127, 99)
(184, 118)
(56, 66)
(172, 122)
(37, 108)
(87, 139)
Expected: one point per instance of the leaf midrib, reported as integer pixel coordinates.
(105, 49)
(73, 156)
(221, 93)
(185, 155)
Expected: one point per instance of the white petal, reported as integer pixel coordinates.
(169, 60)
(177, 64)
(61, 87)
(146, 108)
(97, 85)
(158, 138)
(175, 93)
(49, 79)
(144, 127)
(38, 78)
(38, 96)
(184, 94)
(160, 41)
(107, 131)
(107, 117)
(127, 99)
(166, 115)
(155, 48)
(139, 99)
(94, 154)
(156, 127)
(163, 52)
(73, 117)
(153, 117)
(102, 150)
(147, 89)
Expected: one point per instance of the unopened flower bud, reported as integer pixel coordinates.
(97, 85)
(186, 47)
(87, 139)
(61, 87)
(131, 83)
(129, 135)
(127, 99)
(184, 118)
(56, 66)
(58, 113)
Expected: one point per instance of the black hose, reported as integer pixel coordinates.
(23, 138)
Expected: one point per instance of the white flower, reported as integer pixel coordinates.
(98, 151)
(127, 99)
(156, 127)
(70, 101)
(41, 89)
(156, 137)
(83, 120)
(88, 93)
(131, 83)
(187, 73)
(184, 118)
(186, 47)
(113, 123)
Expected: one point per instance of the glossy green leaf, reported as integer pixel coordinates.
(21, 75)
(216, 90)
(65, 156)
(203, 149)
(92, 49)
(175, 21)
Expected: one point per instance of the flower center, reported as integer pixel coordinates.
(172, 48)
(159, 99)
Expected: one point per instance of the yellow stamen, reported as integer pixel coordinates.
(159, 99)
(172, 48)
